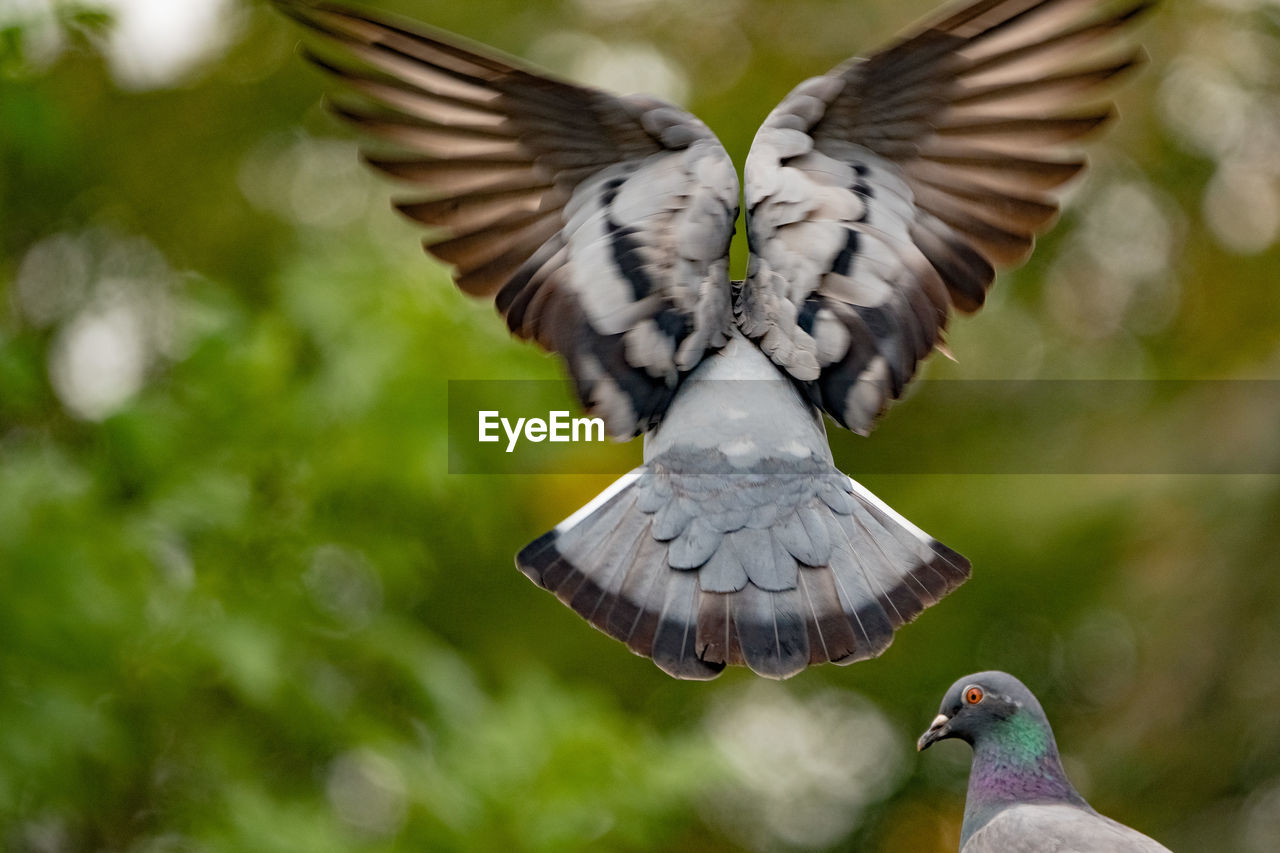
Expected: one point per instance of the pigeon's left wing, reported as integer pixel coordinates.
(598, 224)
(888, 191)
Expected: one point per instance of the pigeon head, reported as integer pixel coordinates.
(1015, 758)
(990, 707)
(1019, 795)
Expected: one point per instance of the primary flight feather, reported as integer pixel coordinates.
(880, 196)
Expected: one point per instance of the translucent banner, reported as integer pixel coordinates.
(943, 427)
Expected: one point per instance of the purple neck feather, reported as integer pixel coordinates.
(1019, 766)
(1002, 775)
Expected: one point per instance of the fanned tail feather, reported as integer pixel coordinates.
(875, 571)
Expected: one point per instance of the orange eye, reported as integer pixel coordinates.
(973, 695)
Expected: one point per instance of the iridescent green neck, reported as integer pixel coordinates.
(1021, 739)
(1015, 761)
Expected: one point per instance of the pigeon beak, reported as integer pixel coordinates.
(938, 730)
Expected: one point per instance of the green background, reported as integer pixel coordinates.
(246, 607)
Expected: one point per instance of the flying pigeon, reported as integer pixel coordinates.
(1020, 800)
(880, 196)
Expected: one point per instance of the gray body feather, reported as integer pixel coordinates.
(1057, 829)
(880, 196)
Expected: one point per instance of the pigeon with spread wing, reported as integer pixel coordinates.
(880, 196)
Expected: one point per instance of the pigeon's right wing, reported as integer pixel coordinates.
(888, 191)
(598, 224)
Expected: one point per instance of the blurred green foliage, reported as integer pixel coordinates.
(247, 607)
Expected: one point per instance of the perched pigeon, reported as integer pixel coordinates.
(1020, 800)
(879, 196)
